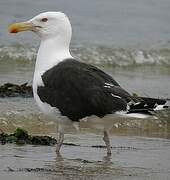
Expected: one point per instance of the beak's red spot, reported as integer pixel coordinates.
(14, 30)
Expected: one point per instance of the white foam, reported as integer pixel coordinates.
(18, 52)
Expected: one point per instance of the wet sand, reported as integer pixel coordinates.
(141, 149)
(133, 158)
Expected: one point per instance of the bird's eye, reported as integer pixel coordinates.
(44, 19)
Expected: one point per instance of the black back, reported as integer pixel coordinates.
(77, 90)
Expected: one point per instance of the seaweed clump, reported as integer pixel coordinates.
(21, 136)
(13, 90)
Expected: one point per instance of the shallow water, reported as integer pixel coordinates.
(127, 39)
(133, 158)
(110, 22)
(140, 148)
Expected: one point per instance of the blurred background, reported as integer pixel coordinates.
(130, 40)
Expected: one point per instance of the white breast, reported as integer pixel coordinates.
(49, 54)
(49, 111)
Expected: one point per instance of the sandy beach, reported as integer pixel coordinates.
(128, 40)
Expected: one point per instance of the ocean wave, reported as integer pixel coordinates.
(96, 55)
(17, 53)
(123, 57)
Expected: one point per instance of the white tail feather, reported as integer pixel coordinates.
(133, 115)
(159, 107)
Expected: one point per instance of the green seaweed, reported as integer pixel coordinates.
(13, 90)
(21, 133)
(21, 136)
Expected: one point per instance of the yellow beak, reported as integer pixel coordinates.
(21, 26)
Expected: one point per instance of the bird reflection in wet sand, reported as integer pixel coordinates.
(75, 168)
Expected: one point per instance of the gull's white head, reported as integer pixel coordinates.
(55, 31)
(46, 25)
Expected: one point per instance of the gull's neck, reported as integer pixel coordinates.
(50, 53)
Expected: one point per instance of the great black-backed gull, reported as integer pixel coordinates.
(68, 90)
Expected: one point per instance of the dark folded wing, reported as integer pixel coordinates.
(79, 90)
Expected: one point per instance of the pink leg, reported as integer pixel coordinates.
(107, 142)
(60, 142)
(1, 131)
